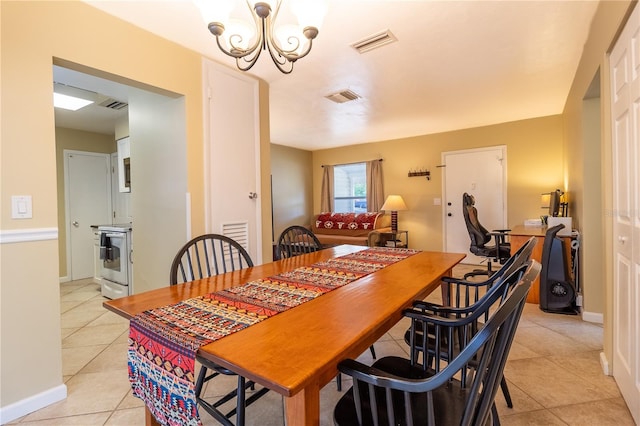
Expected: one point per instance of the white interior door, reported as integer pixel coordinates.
(625, 112)
(481, 173)
(88, 202)
(232, 152)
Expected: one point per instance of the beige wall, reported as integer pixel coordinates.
(34, 36)
(79, 141)
(265, 172)
(596, 259)
(292, 187)
(534, 164)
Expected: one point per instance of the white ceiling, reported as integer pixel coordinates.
(456, 64)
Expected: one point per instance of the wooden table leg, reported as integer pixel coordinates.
(303, 408)
(445, 289)
(149, 420)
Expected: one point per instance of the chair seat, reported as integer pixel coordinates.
(449, 401)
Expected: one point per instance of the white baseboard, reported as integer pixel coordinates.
(32, 403)
(604, 364)
(594, 317)
(64, 279)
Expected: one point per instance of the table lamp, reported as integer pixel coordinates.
(394, 203)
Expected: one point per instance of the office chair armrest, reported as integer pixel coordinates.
(500, 236)
(501, 231)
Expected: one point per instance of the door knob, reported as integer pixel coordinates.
(75, 223)
(253, 195)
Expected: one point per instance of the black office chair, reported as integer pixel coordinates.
(464, 299)
(205, 256)
(399, 391)
(296, 240)
(480, 237)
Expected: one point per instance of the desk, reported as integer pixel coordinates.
(519, 235)
(296, 353)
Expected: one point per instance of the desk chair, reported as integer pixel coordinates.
(202, 257)
(480, 237)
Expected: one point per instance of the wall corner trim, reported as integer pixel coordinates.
(26, 235)
(32, 403)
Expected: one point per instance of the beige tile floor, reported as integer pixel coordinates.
(553, 372)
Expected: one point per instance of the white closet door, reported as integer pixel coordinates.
(625, 112)
(232, 156)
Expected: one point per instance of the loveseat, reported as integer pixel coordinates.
(349, 228)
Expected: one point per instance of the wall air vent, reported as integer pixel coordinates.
(374, 41)
(112, 103)
(343, 96)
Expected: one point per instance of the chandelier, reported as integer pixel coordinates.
(244, 42)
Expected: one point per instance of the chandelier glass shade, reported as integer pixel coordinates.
(245, 41)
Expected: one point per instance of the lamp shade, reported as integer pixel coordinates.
(394, 203)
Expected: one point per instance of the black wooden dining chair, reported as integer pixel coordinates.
(296, 240)
(464, 299)
(399, 391)
(205, 256)
(208, 255)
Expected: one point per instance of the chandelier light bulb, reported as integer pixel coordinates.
(310, 13)
(215, 10)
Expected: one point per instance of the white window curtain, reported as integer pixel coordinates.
(375, 189)
(326, 194)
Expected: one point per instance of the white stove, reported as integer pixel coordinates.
(116, 265)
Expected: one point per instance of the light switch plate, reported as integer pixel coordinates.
(21, 207)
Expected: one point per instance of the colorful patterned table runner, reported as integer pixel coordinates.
(163, 342)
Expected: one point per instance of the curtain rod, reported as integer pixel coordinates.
(346, 164)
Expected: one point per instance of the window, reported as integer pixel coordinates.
(350, 188)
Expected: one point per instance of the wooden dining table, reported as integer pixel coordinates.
(296, 352)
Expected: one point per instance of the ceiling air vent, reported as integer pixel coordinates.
(374, 41)
(343, 96)
(113, 104)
